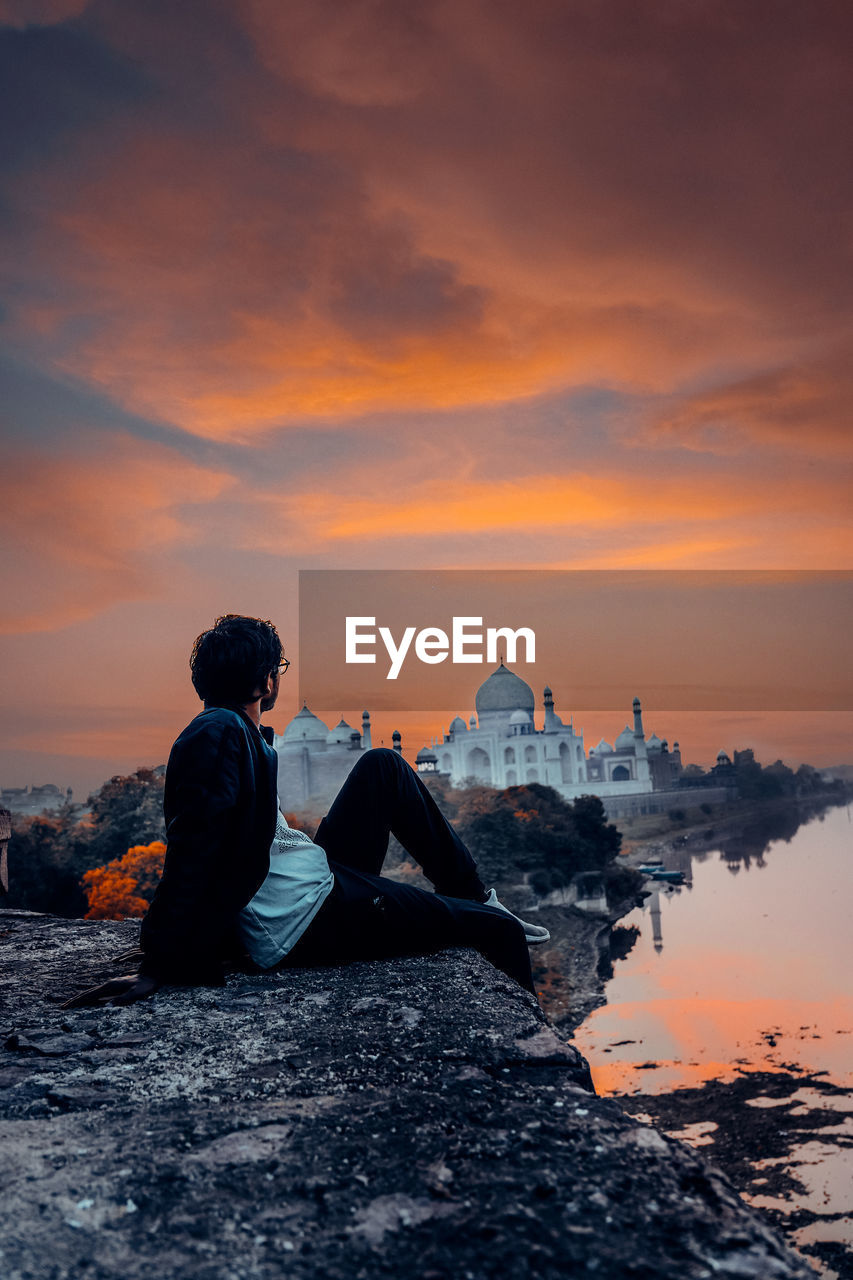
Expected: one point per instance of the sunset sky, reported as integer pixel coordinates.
(377, 284)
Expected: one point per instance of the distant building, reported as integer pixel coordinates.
(313, 760)
(502, 747)
(499, 746)
(30, 801)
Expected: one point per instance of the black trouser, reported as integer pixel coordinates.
(367, 916)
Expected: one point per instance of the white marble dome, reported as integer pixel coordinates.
(504, 691)
(305, 727)
(342, 732)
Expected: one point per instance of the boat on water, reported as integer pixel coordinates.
(670, 877)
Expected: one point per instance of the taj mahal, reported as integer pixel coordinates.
(501, 746)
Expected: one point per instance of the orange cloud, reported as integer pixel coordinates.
(799, 545)
(325, 309)
(538, 502)
(803, 407)
(364, 53)
(83, 529)
(441, 206)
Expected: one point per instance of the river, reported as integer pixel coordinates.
(730, 1023)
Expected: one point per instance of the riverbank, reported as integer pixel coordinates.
(775, 1109)
(782, 1138)
(742, 828)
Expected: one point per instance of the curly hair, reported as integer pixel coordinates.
(233, 659)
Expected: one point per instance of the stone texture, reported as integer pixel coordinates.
(417, 1118)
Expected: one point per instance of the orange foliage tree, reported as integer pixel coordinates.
(125, 886)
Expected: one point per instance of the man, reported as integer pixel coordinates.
(237, 879)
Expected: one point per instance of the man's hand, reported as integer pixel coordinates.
(126, 990)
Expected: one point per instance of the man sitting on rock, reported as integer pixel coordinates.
(237, 879)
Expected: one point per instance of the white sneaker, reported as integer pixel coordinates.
(532, 932)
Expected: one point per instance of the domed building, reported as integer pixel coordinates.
(503, 692)
(305, 727)
(502, 747)
(313, 760)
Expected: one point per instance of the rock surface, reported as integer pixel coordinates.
(416, 1118)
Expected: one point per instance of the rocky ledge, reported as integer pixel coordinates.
(415, 1118)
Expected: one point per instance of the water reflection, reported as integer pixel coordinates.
(620, 941)
(745, 845)
(735, 973)
(749, 844)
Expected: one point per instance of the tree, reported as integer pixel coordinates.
(42, 871)
(125, 886)
(757, 783)
(808, 780)
(530, 829)
(125, 809)
(595, 840)
(48, 854)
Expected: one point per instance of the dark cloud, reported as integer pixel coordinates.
(56, 83)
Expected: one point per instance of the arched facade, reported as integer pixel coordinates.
(479, 765)
(553, 754)
(566, 763)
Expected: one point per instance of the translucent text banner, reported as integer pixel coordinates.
(697, 640)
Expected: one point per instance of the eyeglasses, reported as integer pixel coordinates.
(283, 665)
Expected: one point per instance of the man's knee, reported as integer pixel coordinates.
(378, 761)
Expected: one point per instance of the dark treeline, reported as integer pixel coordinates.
(49, 853)
(765, 782)
(523, 832)
(528, 829)
(531, 830)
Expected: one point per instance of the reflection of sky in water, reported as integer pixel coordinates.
(754, 972)
(824, 1172)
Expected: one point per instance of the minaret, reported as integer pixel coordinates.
(548, 701)
(640, 753)
(365, 730)
(654, 911)
(397, 741)
(638, 720)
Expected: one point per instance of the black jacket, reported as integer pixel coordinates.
(220, 804)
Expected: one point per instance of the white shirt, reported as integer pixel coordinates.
(297, 885)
